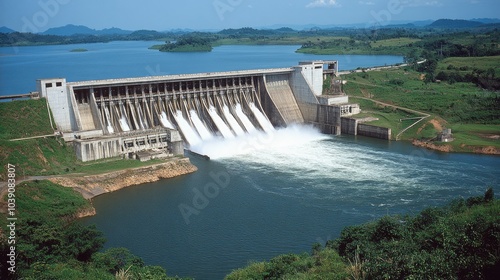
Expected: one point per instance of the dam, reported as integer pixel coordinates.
(157, 116)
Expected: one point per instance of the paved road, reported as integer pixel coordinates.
(34, 137)
(377, 68)
(3, 185)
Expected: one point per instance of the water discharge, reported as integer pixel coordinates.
(124, 124)
(221, 125)
(189, 134)
(108, 121)
(250, 128)
(142, 119)
(263, 121)
(200, 127)
(260, 142)
(233, 122)
(165, 122)
(123, 120)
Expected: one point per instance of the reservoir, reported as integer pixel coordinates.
(257, 197)
(20, 67)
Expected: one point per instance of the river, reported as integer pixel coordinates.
(273, 198)
(258, 197)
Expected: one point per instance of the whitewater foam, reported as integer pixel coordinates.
(260, 142)
(200, 127)
(190, 135)
(165, 122)
(221, 125)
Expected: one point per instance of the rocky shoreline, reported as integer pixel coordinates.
(490, 150)
(91, 186)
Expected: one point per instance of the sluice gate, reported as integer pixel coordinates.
(208, 107)
(152, 117)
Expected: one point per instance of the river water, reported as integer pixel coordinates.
(259, 196)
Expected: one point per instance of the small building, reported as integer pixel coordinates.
(445, 135)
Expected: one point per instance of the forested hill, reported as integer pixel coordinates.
(30, 39)
(455, 23)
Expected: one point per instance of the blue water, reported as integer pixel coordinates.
(280, 200)
(20, 67)
(278, 195)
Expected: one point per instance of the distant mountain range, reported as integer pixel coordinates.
(4, 29)
(70, 29)
(455, 23)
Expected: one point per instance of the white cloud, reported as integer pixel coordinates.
(323, 3)
(368, 3)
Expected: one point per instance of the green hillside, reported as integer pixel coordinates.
(457, 241)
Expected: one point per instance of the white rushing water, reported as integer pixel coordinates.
(138, 122)
(263, 121)
(165, 122)
(142, 118)
(250, 128)
(200, 127)
(124, 124)
(191, 136)
(221, 125)
(108, 121)
(233, 122)
(259, 142)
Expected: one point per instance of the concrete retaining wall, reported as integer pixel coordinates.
(349, 126)
(328, 119)
(374, 131)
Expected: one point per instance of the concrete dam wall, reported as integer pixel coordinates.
(154, 117)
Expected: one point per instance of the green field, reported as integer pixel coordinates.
(465, 65)
(387, 116)
(395, 42)
(470, 112)
(346, 45)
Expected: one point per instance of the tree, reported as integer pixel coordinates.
(82, 242)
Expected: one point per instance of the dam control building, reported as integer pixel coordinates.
(154, 117)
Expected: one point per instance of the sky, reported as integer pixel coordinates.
(40, 15)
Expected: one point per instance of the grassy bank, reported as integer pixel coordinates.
(471, 112)
(395, 119)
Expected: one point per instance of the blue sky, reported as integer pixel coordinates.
(39, 15)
